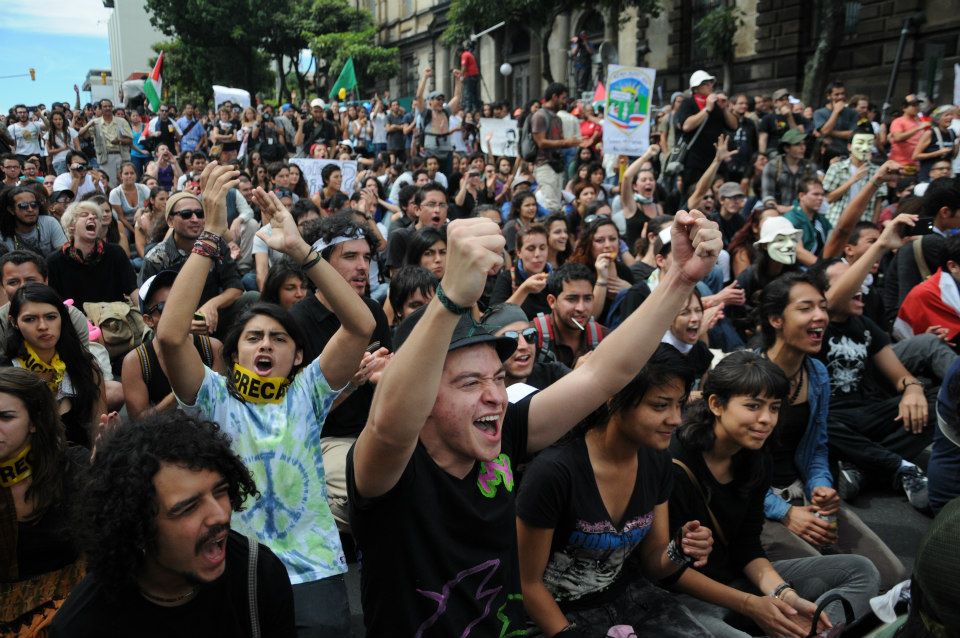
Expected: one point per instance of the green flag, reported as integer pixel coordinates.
(347, 80)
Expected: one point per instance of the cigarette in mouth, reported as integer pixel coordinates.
(577, 323)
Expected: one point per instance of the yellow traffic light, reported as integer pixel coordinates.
(33, 74)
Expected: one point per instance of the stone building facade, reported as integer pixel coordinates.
(772, 46)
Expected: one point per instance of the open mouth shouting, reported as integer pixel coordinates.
(213, 546)
(489, 426)
(815, 335)
(263, 365)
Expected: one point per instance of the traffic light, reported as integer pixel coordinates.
(33, 74)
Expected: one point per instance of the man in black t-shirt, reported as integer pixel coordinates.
(703, 106)
(431, 210)
(872, 430)
(431, 476)
(316, 129)
(162, 559)
(782, 119)
(347, 247)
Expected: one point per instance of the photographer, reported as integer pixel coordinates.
(272, 144)
(711, 114)
(77, 179)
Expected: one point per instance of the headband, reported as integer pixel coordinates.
(321, 245)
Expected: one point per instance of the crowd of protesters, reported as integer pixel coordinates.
(559, 393)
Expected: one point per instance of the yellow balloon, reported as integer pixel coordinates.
(342, 94)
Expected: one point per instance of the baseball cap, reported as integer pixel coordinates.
(519, 181)
(162, 279)
(59, 193)
(730, 189)
(699, 77)
(773, 226)
(779, 94)
(793, 136)
(467, 333)
(286, 107)
(503, 315)
(317, 102)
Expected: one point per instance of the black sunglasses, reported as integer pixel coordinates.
(28, 205)
(589, 219)
(157, 308)
(190, 212)
(529, 335)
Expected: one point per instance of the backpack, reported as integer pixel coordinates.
(121, 325)
(205, 350)
(528, 148)
(545, 335)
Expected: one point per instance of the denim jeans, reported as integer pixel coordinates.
(853, 577)
(321, 608)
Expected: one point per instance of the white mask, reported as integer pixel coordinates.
(783, 249)
(861, 146)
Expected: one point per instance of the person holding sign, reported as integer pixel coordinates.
(272, 405)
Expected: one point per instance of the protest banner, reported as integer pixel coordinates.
(626, 123)
(504, 140)
(312, 168)
(236, 96)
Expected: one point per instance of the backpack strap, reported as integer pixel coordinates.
(145, 369)
(206, 350)
(593, 333)
(713, 519)
(919, 258)
(253, 549)
(544, 331)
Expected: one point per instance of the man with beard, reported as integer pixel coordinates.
(547, 131)
(162, 559)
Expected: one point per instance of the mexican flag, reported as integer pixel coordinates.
(153, 85)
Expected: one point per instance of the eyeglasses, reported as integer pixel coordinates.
(157, 308)
(436, 205)
(190, 212)
(28, 205)
(79, 167)
(529, 335)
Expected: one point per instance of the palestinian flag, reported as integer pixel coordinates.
(153, 85)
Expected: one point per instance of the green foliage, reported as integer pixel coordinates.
(466, 17)
(190, 71)
(341, 32)
(716, 31)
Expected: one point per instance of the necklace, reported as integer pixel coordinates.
(798, 380)
(160, 600)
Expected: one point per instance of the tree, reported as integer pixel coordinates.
(830, 21)
(238, 28)
(716, 31)
(286, 36)
(466, 17)
(189, 71)
(340, 32)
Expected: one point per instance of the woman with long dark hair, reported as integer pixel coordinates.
(743, 252)
(722, 474)
(60, 140)
(599, 247)
(285, 284)
(25, 223)
(428, 248)
(523, 213)
(39, 479)
(559, 243)
(588, 509)
(803, 510)
(149, 219)
(638, 190)
(43, 341)
(274, 403)
(298, 183)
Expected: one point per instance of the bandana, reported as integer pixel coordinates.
(56, 368)
(75, 253)
(256, 389)
(640, 199)
(321, 245)
(15, 470)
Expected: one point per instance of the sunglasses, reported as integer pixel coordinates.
(529, 335)
(589, 219)
(190, 212)
(158, 308)
(28, 205)
(914, 103)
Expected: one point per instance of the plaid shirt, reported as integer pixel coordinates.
(839, 173)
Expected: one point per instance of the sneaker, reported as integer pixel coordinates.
(849, 481)
(914, 483)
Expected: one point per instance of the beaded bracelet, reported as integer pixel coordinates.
(206, 235)
(448, 304)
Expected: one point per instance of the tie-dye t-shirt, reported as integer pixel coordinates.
(280, 445)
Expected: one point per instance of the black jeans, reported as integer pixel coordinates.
(865, 433)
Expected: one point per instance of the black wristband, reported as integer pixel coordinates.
(450, 305)
(310, 263)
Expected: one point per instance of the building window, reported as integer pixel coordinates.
(408, 8)
(696, 11)
(409, 75)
